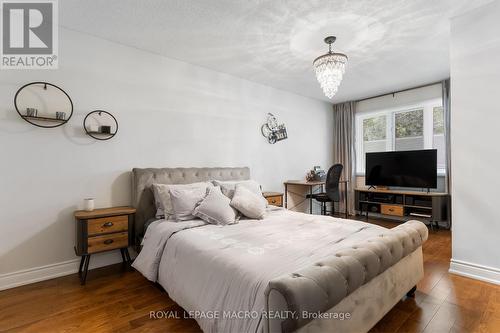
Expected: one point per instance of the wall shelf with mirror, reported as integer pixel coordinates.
(43, 104)
(100, 125)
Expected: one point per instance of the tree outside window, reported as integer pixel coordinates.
(374, 128)
(438, 120)
(409, 124)
(409, 130)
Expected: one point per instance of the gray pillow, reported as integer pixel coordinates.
(228, 187)
(184, 201)
(162, 197)
(248, 203)
(215, 208)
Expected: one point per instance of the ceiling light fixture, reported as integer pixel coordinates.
(330, 69)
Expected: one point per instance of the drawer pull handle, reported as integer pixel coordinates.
(108, 224)
(391, 209)
(108, 241)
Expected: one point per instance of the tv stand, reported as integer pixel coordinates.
(431, 207)
(372, 187)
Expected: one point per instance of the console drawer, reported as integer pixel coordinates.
(394, 210)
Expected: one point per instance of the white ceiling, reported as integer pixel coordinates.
(391, 44)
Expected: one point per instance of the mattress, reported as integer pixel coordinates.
(222, 272)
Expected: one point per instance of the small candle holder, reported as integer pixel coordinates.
(88, 204)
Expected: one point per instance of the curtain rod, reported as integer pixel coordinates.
(400, 91)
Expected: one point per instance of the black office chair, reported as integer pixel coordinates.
(332, 193)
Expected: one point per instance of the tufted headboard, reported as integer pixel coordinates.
(142, 179)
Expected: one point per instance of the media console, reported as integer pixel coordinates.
(427, 206)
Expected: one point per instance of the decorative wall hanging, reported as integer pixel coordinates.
(273, 131)
(100, 124)
(330, 69)
(43, 104)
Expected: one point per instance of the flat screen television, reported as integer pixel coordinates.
(415, 168)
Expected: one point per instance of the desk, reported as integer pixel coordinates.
(311, 186)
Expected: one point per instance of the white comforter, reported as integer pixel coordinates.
(224, 271)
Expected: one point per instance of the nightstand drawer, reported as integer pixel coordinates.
(107, 225)
(107, 242)
(275, 200)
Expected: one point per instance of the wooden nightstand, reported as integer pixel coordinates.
(274, 198)
(103, 230)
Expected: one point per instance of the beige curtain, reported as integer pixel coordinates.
(344, 150)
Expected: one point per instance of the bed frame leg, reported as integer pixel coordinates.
(411, 293)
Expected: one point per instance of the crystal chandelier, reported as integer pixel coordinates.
(330, 69)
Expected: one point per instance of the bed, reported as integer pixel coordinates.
(288, 272)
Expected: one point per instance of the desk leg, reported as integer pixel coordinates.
(346, 201)
(310, 200)
(286, 196)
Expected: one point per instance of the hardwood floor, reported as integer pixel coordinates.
(115, 300)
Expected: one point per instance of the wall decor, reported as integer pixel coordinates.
(100, 124)
(43, 104)
(273, 131)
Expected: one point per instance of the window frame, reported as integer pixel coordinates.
(428, 128)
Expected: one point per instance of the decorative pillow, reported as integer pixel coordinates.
(215, 208)
(184, 201)
(162, 197)
(228, 187)
(248, 203)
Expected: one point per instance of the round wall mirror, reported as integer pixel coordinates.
(100, 124)
(43, 104)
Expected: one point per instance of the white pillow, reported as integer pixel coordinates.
(163, 201)
(185, 200)
(215, 208)
(228, 187)
(248, 203)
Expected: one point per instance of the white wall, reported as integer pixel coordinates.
(475, 82)
(170, 113)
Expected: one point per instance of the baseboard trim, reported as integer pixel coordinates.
(475, 271)
(48, 272)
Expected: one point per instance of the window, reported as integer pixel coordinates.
(438, 140)
(374, 133)
(409, 128)
(438, 120)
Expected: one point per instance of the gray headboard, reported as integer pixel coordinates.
(142, 179)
